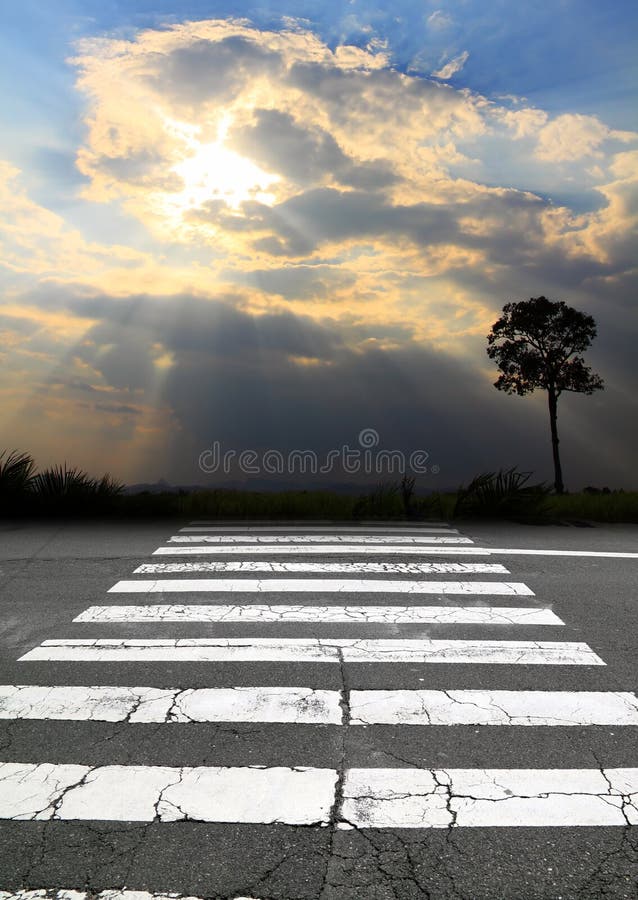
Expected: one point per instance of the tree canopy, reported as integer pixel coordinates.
(538, 343)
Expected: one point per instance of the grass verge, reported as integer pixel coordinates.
(508, 494)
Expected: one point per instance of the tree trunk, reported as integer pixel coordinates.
(558, 473)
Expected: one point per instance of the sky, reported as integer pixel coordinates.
(289, 227)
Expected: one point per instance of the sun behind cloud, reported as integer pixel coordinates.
(213, 172)
(289, 220)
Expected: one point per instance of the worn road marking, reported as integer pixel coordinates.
(319, 586)
(364, 615)
(303, 705)
(387, 550)
(101, 703)
(206, 529)
(371, 798)
(364, 528)
(321, 550)
(314, 539)
(65, 894)
(39, 792)
(367, 568)
(461, 798)
(481, 707)
(514, 551)
(334, 650)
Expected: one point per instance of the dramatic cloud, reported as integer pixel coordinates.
(304, 155)
(268, 144)
(283, 381)
(304, 240)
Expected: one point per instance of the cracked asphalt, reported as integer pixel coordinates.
(51, 572)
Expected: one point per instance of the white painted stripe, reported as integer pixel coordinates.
(65, 894)
(367, 568)
(461, 798)
(333, 650)
(364, 527)
(516, 551)
(479, 707)
(303, 705)
(40, 792)
(204, 529)
(354, 615)
(352, 549)
(99, 703)
(321, 550)
(313, 539)
(318, 586)
(371, 798)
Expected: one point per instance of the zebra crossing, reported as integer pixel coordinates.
(98, 703)
(342, 628)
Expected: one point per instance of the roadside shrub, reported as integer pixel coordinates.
(434, 506)
(384, 502)
(16, 475)
(407, 496)
(503, 494)
(70, 490)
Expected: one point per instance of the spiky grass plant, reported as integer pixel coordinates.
(16, 479)
(505, 494)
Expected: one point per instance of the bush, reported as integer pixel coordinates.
(385, 502)
(435, 506)
(16, 476)
(503, 494)
(63, 490)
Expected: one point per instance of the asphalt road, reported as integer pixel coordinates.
(50, 573)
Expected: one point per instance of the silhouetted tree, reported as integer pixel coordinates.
(538, 343)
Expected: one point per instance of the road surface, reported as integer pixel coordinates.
(325, 711)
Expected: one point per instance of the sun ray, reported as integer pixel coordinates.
(211, 171)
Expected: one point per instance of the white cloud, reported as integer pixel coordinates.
(159, 104)
(452, 67)
(438, 20)
(35, 240)
(361, 161)
(571, 136)
(522, 123)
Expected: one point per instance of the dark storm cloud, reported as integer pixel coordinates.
(415, 397)
(241, 379)
(130, 326)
